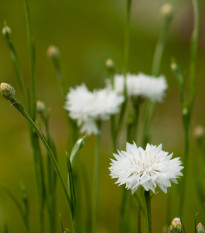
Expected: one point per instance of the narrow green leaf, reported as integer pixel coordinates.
(71, 187)
(79, 144)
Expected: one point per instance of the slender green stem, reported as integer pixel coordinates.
(155, 70)
(122, 211)
(126, 61)
(169, 209)
(64, 89)
(160, 47)
(19, 107)
(38, 165)
(31, 59)
(186, 156)
(139, 220)
(51, 196)
(188, 111)
(127, 41)
(22, 212)
(135, 122)
(60, 76)
(148, 206)
(194, 45)
(16, 67)
(96, 179)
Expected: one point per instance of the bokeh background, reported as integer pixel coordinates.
(87, 33)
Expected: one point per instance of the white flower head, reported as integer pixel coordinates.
(147, 168)
(143, 86)
(89, 107)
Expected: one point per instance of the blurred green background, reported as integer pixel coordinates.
(87, 33)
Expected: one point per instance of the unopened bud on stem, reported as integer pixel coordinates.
(110, 64)
(40, 106)
(53, 52)
(200, 228)
(6, 31)
(7, 91)
(176, 226)
(167, 11)
(199, 132)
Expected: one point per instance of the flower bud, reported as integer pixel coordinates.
(53, 52)
(176, 226)
(199, 132)
(200, 228)
(185, 111)
(110, 64)
(6, 31)
(40, 106)
(167, 11)
(7, 91)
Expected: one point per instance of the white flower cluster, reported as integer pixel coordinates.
(142, 86)
(89, 107)
(147, 168)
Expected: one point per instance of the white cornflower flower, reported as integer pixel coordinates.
(147, 168)
(89, 107)
(141, 85)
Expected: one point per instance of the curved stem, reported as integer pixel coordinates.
(19, 107)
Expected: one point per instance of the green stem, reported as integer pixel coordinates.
(186, 156)
(148, 206)
(187, 116)
(135, 122)
(16, 67)
(31, 59)
(194, 45)
(60, 76)
(139, 220)
(126, 60)
(51, 197)
(122, 211)
(155, 70)
(160, 47)
(169, 209)
(19, 107)
(38, 165)
(96, 179)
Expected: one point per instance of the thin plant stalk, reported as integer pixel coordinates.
(148, 207)
(64, 89)
(155, 71)
(131, 136)
(51, 196)
(16, 66)
(126, 61)
(187, 112)
(23, 212)
(31, 60)
(96, 179)
(38, 166)
(19, 107)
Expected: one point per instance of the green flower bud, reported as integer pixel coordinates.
(167, 11)
(110, 64)
(176, 226)
(199, 132)
(7, 91)
(6, 31)
(200, 228)
(53, 52)
(40, 106)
